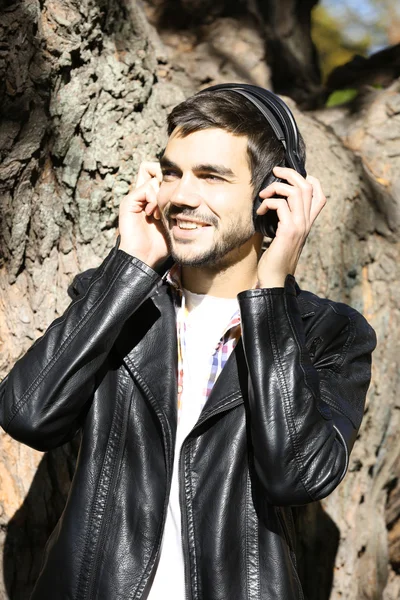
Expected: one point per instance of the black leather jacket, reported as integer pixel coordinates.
(276, 431)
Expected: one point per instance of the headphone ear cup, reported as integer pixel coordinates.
(266, 224)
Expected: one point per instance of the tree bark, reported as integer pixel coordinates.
(84, 91)
(81, 107)
(291, 54)
(282, 26)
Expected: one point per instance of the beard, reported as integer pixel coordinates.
(223, 251)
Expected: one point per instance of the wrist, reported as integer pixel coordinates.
(272, 282)
(142, 256)
(272, 279)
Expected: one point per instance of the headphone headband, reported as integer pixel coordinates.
(280, 118)
(278, 115)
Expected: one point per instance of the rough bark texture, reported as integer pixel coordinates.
(203, 47)
(366, 505)
(81, 107)
(84, 90)
(240, 36)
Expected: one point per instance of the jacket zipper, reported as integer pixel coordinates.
(147, 572)
(184, 527)
(168, 464)
(182, 496)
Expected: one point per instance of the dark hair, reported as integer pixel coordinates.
(227, 110)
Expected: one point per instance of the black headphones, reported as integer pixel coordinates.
(281, 119)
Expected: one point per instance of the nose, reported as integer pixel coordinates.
(185, 192)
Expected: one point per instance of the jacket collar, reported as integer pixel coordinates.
(148, 346)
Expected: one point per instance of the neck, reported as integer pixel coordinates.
(226, 280)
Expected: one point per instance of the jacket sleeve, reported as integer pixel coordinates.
(304, 414)
(45, 395)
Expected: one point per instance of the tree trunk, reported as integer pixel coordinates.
(81, 107)
(84, 91)
(291, 54)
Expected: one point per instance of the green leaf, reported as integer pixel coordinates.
(339, 97)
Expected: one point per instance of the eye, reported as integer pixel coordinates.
(212, 177)
(169, 174)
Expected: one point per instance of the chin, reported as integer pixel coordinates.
(218, 255)
(210, 260)
(186, 255)
(189, 260)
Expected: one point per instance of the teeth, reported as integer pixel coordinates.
(187, 225)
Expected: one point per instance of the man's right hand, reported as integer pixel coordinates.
(141, 230)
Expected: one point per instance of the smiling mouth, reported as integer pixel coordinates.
(190, 224)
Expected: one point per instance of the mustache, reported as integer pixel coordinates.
(172, 212)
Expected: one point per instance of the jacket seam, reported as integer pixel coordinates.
(157, 409)
(100, 497)
(126, 261)
(286, 399)
(227, 400)
(346, 451)
(190, 519)
(35, 384)
(301, 351)
(143, 582)
(118, 449)
(246, 534)
(331, 402)
(295, 336)
(351, 335)
(164, 424)
(252, 553)
(291, 551)
(346, 345)
(75, 301)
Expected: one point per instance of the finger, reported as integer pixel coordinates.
(277, 188)
(318, 199)
(155, 184)
(148, 170)
(137, 200)
(151, 198)
(293, 224)
(297, 180)
(278, 204)
(293, 177)
(293, 196)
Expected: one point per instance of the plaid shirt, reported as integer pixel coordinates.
(224, 347)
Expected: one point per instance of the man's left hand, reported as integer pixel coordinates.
(302, 201)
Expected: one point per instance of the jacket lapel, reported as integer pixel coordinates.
(148, 347)
(231, 384)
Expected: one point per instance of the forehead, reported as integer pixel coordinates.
(214, 146)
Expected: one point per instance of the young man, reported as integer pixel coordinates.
(210, 399)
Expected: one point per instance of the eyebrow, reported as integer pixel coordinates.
(166, 163)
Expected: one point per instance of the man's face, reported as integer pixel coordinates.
(206, 197)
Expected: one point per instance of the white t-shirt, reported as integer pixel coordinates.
(206, 322)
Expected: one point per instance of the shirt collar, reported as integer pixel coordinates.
(173, 277)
